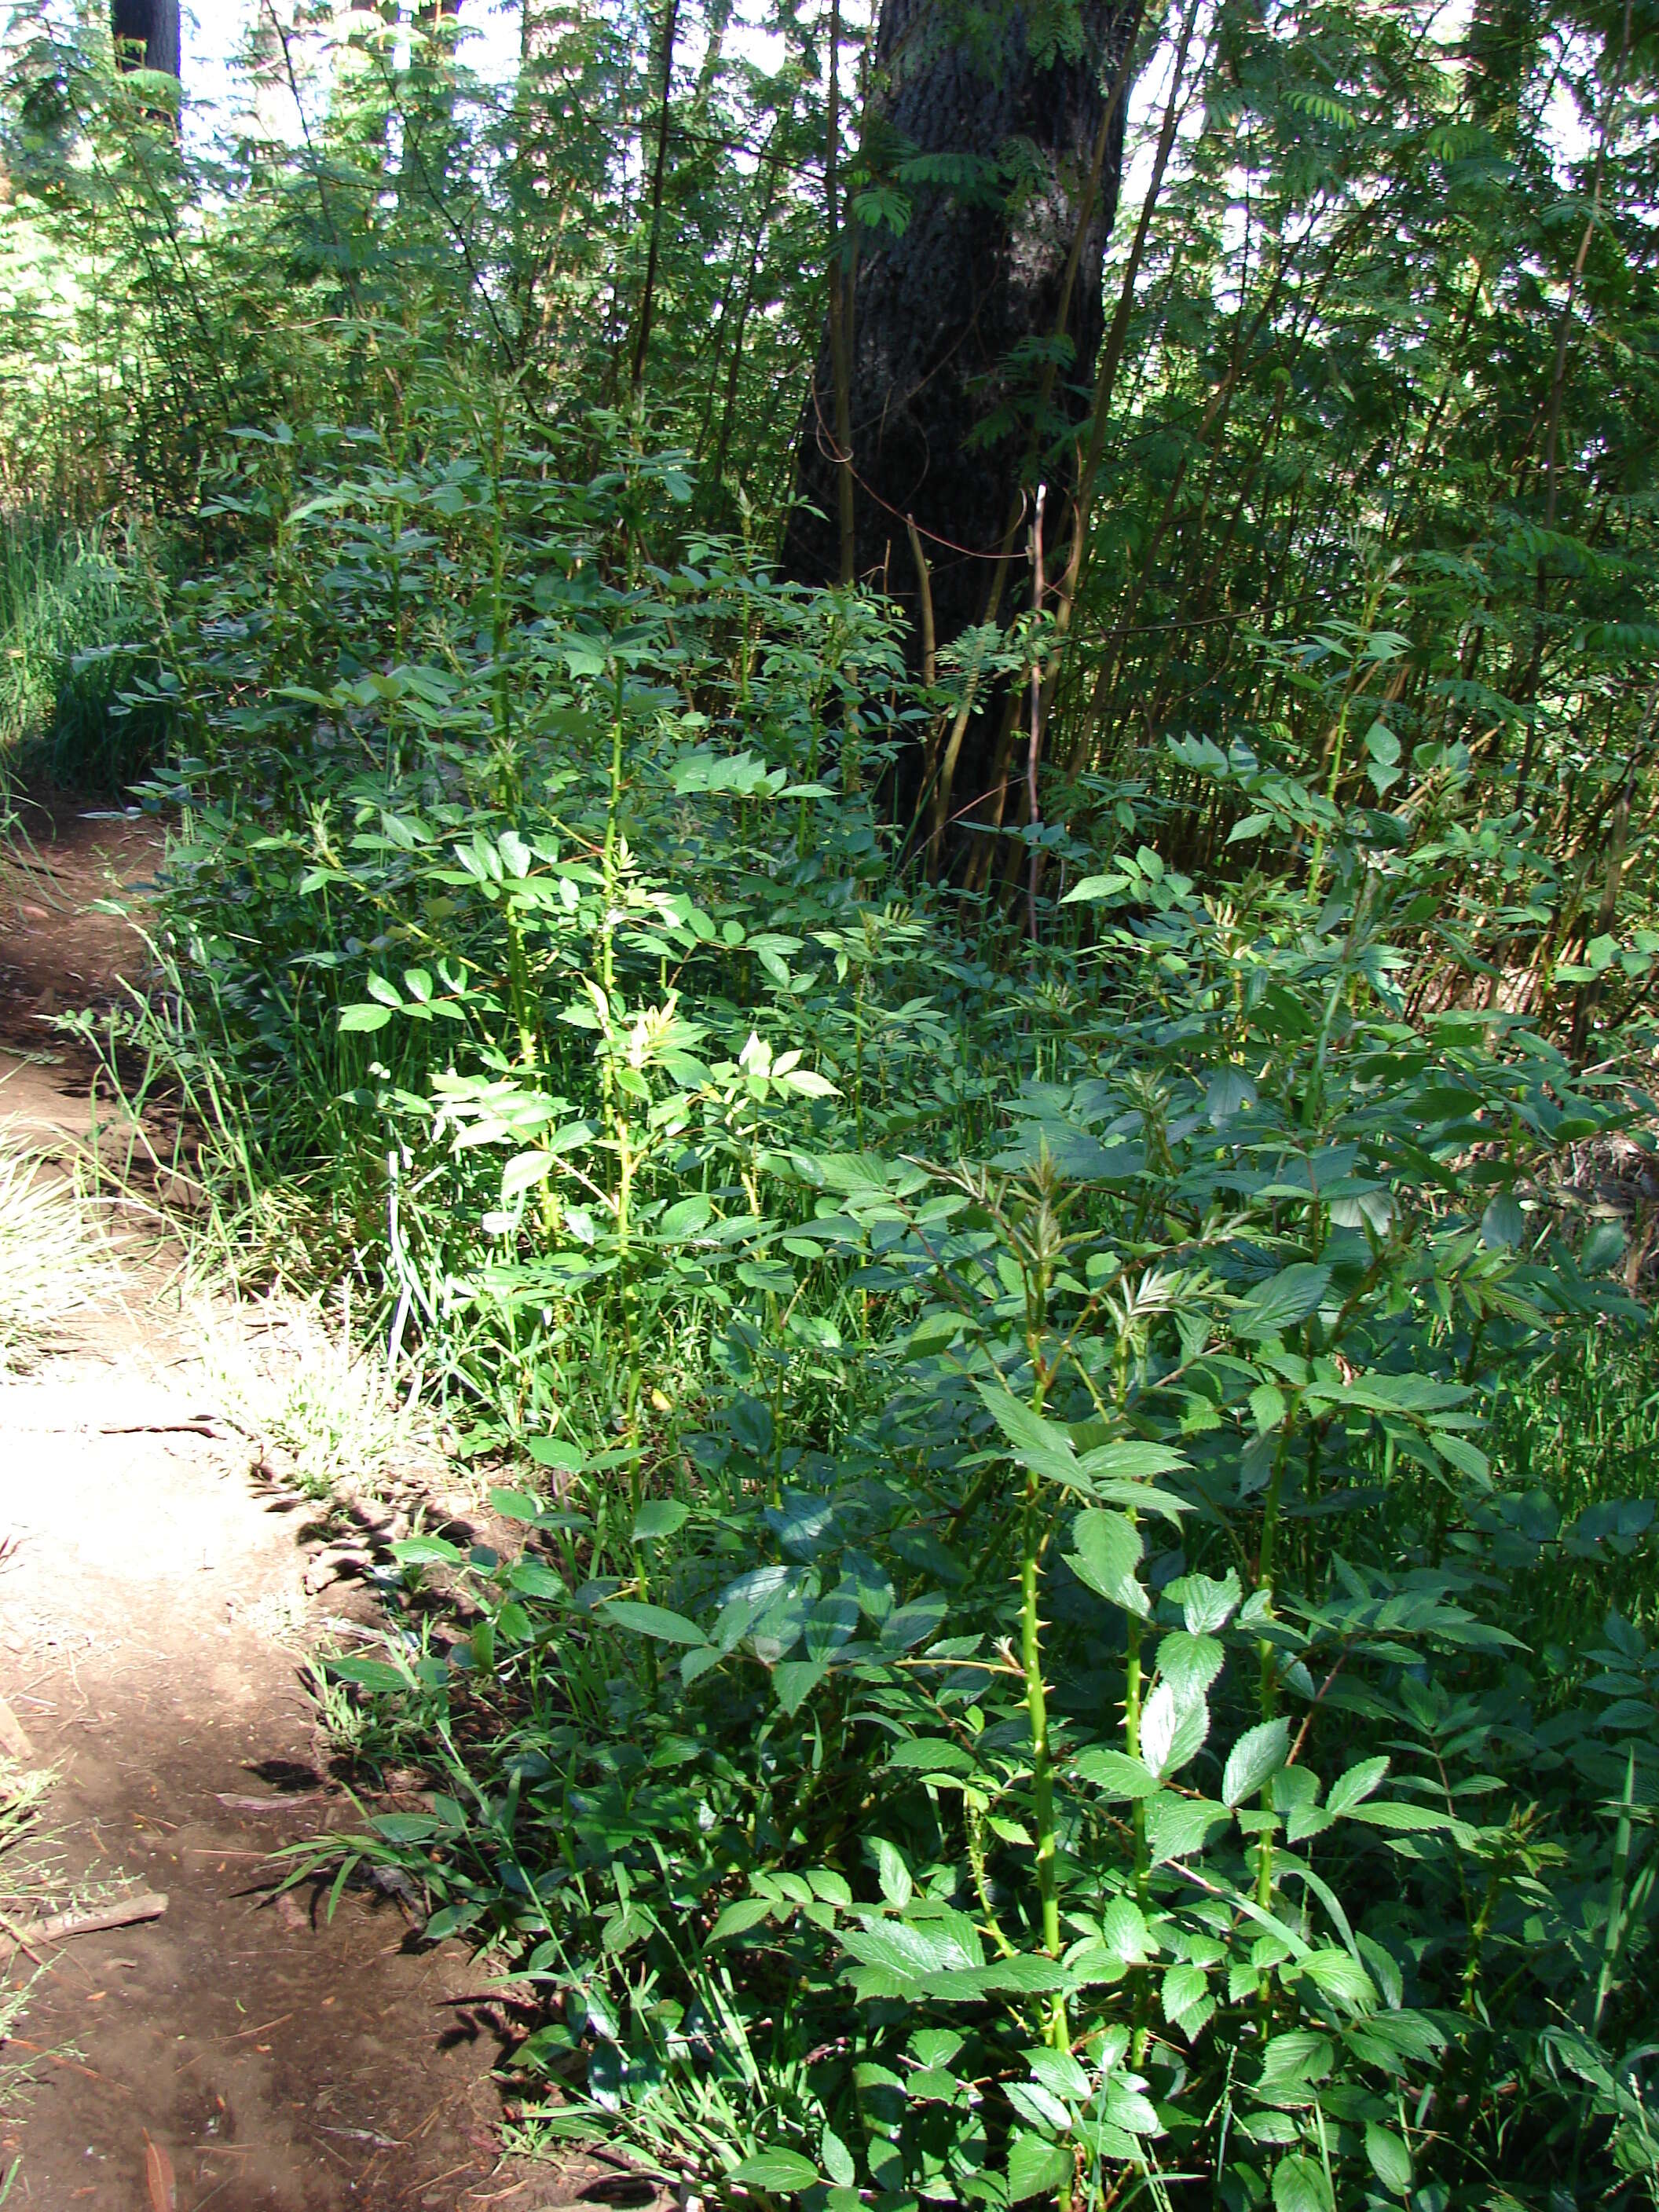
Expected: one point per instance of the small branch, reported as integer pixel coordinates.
(147, 1905)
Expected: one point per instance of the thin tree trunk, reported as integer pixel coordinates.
(734, 367)
(1033, 758)
(840, 308)
(1111, 357)
(659, 170)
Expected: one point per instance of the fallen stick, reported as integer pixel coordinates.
(294, 1801)
(148, 1904)
(201, 1428)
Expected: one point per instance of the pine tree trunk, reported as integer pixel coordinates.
(938, 433)
(152, 25)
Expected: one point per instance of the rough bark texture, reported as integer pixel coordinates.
(938, 308)
(153, 25)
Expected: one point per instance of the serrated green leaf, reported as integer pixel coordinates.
(793, 1681)
(1339, 1974)
(1172, 1732)
(1109, 1548)
(1037, 2167)
(739, 1919)
(1281, 1302)
(1299, 2185)
(1044, 1446)
(661, 1517)
(426, 1551)
(1114, 1773)
(892, 1874)
(1503, 1225)
(1259, 1753)
(1354, 1783)
(931, 1755)
(779, 2173)
(1390, 2160)
(655, 1621)
(1190, 1664)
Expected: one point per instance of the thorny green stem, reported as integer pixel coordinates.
(1264, 1571)
(1133, 1689)
(1042, 1773)
(518, 975)
(1131, 1703)
(974, 1832)
(1033, 1538)
(616, 1123)
(609, 877)
(501, 703)
(1269, 1680)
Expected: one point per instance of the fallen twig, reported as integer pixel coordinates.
(159, 2177)
(295, 1798)
(147, 1905)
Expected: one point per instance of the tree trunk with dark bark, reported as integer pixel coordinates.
(151, 25)
(952, 317)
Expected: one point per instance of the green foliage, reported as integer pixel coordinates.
(77, 635)
(1014, 1675)
(1059, 1708)
(1079, 1434)
(1372, 464)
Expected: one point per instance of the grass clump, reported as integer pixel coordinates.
(302, 1389)
(77, 644)
(22, 1891)
(51, 1262)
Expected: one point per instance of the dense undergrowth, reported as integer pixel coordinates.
(1078, 1407)
(78, 639)
(1022, 1672)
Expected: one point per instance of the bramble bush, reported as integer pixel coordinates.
(1073, 1400)
(1021, 1679)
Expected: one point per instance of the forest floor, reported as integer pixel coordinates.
(153, 1617)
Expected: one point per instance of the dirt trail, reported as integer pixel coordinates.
(152, 1615)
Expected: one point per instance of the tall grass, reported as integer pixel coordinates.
(1576, 1439)
(75, 639)
(51, 1262)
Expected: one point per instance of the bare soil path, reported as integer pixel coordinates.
(152, 1620)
